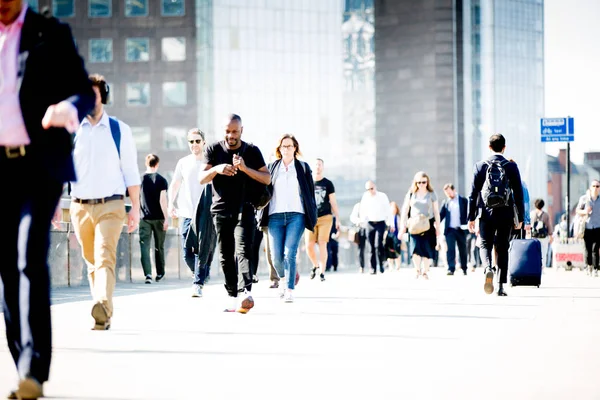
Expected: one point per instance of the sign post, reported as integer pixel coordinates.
(561, 130)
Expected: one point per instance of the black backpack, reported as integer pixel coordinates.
(538, 227)
(496, 190)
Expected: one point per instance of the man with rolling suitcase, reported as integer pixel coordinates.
(497, 198)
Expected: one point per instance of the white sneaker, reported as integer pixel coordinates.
(282, 290)
(288, 296)
(233, 304)
(196, 290)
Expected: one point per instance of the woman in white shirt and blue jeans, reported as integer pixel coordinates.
(291, 209)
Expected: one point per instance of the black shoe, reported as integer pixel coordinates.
(464, 272)
(148, 280)
(335, 268)
(254, 279)
(274, 285)
(381, 270)
(501, 292)
(450, 273)
(313, 272)
(488, 287)
(373, 272)
(322, 277)
(159, 278)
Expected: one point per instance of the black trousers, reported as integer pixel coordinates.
(362, 243)
(234, 238)
(27, 209)
(256, 242)
(456, 238)
(591, 238)
(332, 254)
(375, 231)
(495, 230)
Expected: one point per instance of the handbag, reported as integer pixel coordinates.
(580, 223)
(418, 224)
(354, 235)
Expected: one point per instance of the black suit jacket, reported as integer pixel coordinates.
(476, 202)
(463, 205)
(50, 70)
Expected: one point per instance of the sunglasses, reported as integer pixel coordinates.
(422, 183)
(197, 141)
(596, 186)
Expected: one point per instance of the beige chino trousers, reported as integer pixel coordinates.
(98, 228)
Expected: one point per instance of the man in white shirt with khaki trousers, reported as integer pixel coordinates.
(104, 173)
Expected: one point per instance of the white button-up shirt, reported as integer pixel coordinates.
(286, 191)
(100, 173)
(454, 211)
(376, 208)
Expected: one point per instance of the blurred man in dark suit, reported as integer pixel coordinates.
(44, 93)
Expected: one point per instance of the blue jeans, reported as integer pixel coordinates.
(190, 258)
(285, 232)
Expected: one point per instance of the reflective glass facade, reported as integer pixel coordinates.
(512, 84)
(278, 65)
(359, 95)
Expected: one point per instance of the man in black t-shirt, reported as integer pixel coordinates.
(236, 169)
(326, 209)
(153, 221)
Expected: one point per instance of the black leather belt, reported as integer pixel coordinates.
(98, 201)
(10, 152)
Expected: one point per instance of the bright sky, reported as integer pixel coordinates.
(572, 30)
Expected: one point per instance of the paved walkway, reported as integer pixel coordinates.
(354, 336)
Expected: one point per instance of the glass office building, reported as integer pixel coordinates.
(359, 93)
(508, 77)
(277, 64)
(445, 84)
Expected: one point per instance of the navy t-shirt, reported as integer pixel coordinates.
(152, 185)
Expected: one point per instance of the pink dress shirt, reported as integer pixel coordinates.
(12, 126)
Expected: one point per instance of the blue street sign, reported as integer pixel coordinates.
(557, 129)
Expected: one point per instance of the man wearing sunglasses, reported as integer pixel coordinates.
(185, 191)
(589, 207)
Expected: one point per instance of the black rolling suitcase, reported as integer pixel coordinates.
(525, 262)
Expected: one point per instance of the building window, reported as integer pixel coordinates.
(173, 8)
(173, 49)
(111, 94)
(175, 138)
(138, 94)
(63, 8)
(137, 49)
(136, 8)
(101, 50)
(34, 4)
(142, 137)
(100, 8)
(174, 94)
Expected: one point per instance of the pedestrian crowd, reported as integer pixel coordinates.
(227, 199)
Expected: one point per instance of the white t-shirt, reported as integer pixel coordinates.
(187, 171)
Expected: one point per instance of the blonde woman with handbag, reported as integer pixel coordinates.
(421, 217)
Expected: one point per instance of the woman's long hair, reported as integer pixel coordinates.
(418, 176)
